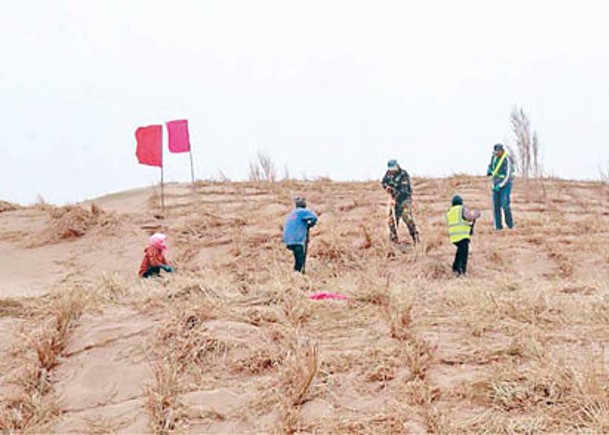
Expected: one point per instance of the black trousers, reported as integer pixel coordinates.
(152, 271)
(300, 257)
(460, 263)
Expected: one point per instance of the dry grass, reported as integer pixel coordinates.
(71, 221)
(512, 348)
(8, 206)
(162, 402)
(33, 407)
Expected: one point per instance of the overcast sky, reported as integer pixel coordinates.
(327, 87)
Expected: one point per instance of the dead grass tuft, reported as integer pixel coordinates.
(162, 397)
(32, 408)
(72, 221)
(419, 355)
(189, 342)
(435, 269)
(8, 206)
(298, 371)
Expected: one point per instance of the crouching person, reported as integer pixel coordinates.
(461, 222)
(296, 232)
(154, 257)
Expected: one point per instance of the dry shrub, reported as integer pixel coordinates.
(421, 393)
(30, 410)
(298, 371)
(262, 168)
(537, 308)
(390, 421)
(375, 296)
(400, 319)
(188, 341)
(162, 397)
(381, 372)
(11, 307)
(73, 221)
(296, 308)
(565, 265)
(434, 268)
(367, 238)
(262, 360)
(296, 376)
(26, 412)
(8, 206)
(327, 251)
(419, 355)
(567, 397)
(433, 240)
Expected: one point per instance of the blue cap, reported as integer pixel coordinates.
(392, 164)
(457, 200)
(498, 147)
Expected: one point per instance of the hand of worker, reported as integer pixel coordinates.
(496, 188)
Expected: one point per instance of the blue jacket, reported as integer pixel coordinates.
(296, 225)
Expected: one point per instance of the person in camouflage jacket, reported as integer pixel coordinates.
(396, 182)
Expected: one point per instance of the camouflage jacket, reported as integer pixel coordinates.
(399, 184)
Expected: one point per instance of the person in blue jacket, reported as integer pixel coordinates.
(296, 232)
(501, 171)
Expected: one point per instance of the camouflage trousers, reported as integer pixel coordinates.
(401, 210)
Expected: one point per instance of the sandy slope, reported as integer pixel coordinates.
(235, 299)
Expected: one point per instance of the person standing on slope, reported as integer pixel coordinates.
(396, 182)
(461, 222)
(501, 171)
(296, 232)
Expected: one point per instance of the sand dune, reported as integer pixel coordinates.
(230, 343)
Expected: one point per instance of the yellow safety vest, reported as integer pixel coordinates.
(498, 165)
(458, 228)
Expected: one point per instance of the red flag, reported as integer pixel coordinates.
(150, 145)
(179, 142)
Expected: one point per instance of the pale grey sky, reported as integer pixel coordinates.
(327, 87)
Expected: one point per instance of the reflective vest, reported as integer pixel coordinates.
(497, 165)
(458, 228)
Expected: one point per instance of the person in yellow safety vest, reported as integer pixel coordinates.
(461, 222)
(501, 171)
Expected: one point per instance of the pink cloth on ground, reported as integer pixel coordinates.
(325, 295)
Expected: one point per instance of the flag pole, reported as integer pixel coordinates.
(162, 194)
(162, 182)
(192, 167)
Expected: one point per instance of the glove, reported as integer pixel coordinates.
(167, 268)
(496, 188)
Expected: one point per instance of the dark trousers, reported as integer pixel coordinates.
(300, 257)
(152, 271)
(460, 263)
(501, 202)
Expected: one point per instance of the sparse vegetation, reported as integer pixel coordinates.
(527, 143)
(232, 343)
(262, 168)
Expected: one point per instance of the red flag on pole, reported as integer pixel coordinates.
(179, 142)
(150, 145)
